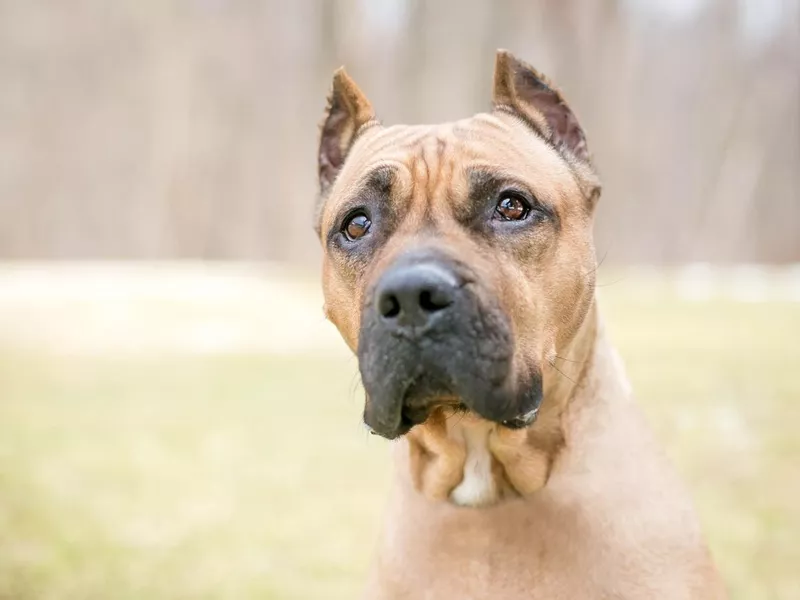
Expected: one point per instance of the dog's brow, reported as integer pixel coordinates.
(382, 177)
(483, 182)
(378, 179)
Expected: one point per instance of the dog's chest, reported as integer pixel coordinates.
(478, 486)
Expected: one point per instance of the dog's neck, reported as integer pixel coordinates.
(473, 462)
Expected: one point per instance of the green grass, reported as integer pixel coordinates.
(181, 477)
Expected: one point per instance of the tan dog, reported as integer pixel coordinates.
(459, 266)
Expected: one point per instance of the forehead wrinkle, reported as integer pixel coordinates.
(456, 195)
(416, 177)
(396, 147)
(431, 155)
(381, 146)
(478, 125)
(450, 188)
(418, 167)
(397, 137)
(508, 140)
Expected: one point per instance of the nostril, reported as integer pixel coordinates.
(389, 306)
(434, 300)
(408, 297)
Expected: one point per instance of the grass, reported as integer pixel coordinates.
(250, 476)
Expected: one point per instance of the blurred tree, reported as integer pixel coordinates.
(187, 128)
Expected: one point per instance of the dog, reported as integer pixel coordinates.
(459, 266)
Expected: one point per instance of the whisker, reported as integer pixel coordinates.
(553, 364)
(577, 362)
(355, 383)
(611, 283)
(599, 264)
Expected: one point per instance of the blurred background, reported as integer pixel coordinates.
(178, 421)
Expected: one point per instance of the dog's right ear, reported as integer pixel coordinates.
(347, 114)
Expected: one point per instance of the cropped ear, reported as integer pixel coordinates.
(347, 113)
(522, 90)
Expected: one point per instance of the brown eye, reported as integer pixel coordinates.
(511, 207)
(356, 226)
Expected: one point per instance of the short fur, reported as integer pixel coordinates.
(581, 503)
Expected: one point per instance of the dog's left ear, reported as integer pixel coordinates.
(347, 113)
(520, 88)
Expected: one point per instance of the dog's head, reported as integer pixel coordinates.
(458, 258)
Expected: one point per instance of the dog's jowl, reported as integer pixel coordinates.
(459, 266)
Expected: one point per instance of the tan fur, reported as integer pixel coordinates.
(581, 504)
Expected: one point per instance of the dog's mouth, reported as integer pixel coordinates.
(427, 340)
(411, 416)
(422, 398)
(392, 412)
(406, 383)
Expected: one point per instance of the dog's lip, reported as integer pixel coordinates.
(522, 420)
(420, 400)
(418, 403)
(412, 416)
(418, 412)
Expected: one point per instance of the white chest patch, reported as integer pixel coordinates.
(477, 487)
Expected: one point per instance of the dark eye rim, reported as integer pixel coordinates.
(348, 218)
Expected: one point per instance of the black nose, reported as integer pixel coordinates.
(410, 296)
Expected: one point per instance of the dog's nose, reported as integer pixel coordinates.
(411, 296)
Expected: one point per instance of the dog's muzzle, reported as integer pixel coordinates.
(428, 339)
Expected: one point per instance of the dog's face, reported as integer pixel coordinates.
(458, 258)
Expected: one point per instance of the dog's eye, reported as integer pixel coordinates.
(356, 226)
(511, 207)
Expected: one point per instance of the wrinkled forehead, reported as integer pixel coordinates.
(436, 160)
